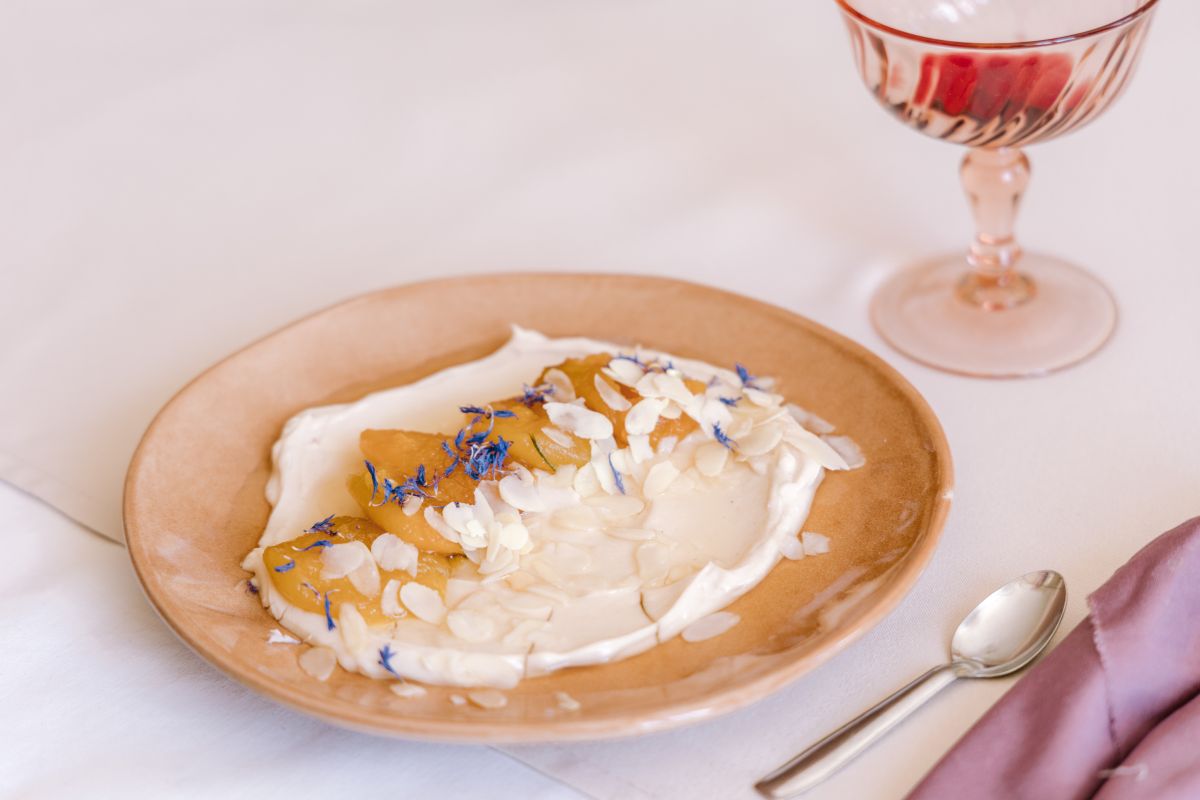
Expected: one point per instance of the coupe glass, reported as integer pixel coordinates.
(995, 75)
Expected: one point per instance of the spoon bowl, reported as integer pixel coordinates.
(1010, 626)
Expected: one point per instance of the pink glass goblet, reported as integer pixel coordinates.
(995, 75)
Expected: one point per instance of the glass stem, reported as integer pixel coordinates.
(994, 180)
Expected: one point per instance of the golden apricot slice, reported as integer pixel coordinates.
(391, 516)
(400, 455)
(295, 568)
(528, 443)
(400, 450)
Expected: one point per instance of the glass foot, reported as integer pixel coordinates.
(1064, 317)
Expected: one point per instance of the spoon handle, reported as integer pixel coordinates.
(837, 749)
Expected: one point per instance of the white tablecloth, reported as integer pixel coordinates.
(179, 178)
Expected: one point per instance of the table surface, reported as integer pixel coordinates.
(179, 178)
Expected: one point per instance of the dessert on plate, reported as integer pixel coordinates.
(561, 502)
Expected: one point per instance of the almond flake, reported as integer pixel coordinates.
(412, 504)
(565, 702)
(318, 662)
(579, 421)
(643, 417)
(815, 543)
(792, 548)
(611, 397)
(279, 637)
(439, 524)
(622, 461)
(586, 483)
(389, 600)
(815, 448)
(354, 627)
(522, 495)
(365, 579)
(393, 554)
(666, 445)
(471, 626)
(845, 447)
(672, 411)
(712, 412)
(557, 436)
(625, 371)
(513, 535)
(339, 560)
(739, 427)
(488, 698)
(647, 387)
(761, 398)
(407, 690)
(659, 478)
(602, 468)
(423, 602)
(711, 458)
(710, 626)
(640, 449)
(564, 390)
(673, 388)
(760, 441)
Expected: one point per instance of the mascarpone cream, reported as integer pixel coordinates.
(567, 568)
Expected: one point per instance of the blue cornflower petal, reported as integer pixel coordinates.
(722, 437)
(317, 543)
(328, 617)
(374, 481)
(385, 660)
(323, 526)
(616, 475)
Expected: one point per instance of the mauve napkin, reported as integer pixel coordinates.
(1114, 711)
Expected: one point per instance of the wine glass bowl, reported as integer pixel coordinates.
(995, 75)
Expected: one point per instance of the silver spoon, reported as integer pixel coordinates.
(1004, 633)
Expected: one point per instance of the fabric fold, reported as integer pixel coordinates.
(1113, 709)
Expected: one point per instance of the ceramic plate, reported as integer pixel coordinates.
(194, 496)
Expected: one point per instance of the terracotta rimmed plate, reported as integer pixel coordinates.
(194, 496)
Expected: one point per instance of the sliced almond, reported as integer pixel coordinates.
(659, 478)
(760, 441)
(318, 662)
(611, 397)
(471, 626)
(579, 421)
(425, 603)
(488, 698)
(643, 417)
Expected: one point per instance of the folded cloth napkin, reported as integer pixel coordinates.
(1114, 711)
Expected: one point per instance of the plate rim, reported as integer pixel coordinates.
(902, 577)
